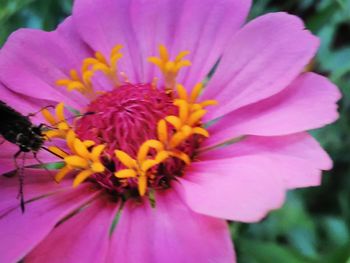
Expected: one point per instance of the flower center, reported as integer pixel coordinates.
(125, 117)
(136, 137)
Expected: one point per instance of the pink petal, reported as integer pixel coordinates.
(308, 103)
(262, 59)
(37, 183)
(32, 61)
(7, 161)
(204, 30)
(299, 157)
(20, 233)
(104, 24)
(170, 232)
(242, 188)
(202, 27)
(83, 238)
(23, 104)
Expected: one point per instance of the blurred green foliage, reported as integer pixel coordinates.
(314, 224)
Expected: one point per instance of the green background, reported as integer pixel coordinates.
(314, 224)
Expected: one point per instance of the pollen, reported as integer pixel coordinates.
(170, 68)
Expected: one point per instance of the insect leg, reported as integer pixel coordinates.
(19, 168)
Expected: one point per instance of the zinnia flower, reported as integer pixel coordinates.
(155, 156)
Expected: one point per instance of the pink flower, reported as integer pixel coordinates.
(152, 183)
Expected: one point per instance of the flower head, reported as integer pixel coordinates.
(154, 157)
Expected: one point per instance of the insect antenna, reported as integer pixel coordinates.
(35, 113)
(48, 150)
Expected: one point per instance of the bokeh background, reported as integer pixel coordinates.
(314, 224)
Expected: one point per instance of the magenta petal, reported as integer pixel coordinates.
(243, 188)
(20, 233)
(263, 59)
(37, 183)
(170, 232)
(308, 103)
(299, 157)
(204, 30)
(32, 61)
(106, 23)
(200, 26)
(22, 104)
(7, 161)
(83, 238)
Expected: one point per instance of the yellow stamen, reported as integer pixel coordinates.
(60, 112)
(75, 82)
(52, 134)
(89, 143)
(177, 139)
(108, 67)
(154, 144)
(76, 162)
(126, 173)
(195, 92)
(170, 68)
(82, 82)
(196, 117)
(142, 184)
(81, 177)
(208, 103)
(48, 116)
(81, 149)
(140, 167)
(162, 156)
(175, 121)
(62, 173)
(172, 132)
(125, 159)
(181, 91)
(187, 123)
(148, 164)
(96, 152)
(58, 122)
(162, 131)
(180, 155)
(183, 109)
(97, 167)
(142, 153)
(70, 139)
(85, 158)
(200, 131)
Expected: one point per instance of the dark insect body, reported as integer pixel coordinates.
(19, 130)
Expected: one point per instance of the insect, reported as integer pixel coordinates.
(19, 130)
